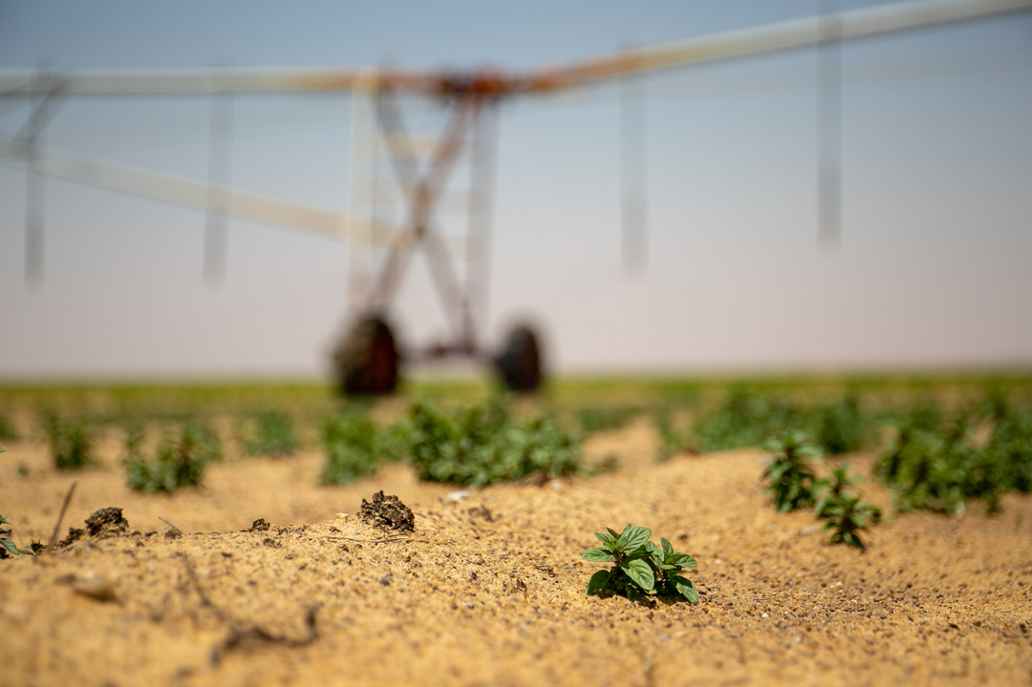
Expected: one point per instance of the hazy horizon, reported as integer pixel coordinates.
(932, 270)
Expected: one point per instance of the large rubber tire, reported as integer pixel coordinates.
(367, 362)
(519, 364)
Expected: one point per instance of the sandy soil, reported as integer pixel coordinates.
(474, 600)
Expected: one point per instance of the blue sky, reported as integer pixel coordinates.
(932, 269)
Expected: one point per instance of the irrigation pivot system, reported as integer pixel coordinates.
(368, 359)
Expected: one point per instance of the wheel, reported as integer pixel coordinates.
(519, 363)
(367, 363)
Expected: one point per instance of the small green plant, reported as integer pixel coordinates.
(829, 490)
(179, 462)
(70, 441)
(352, 448)
(845, 516)
(789, 475)
(269, 433)
(640, 569)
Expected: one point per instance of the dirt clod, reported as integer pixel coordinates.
(74, 535)
(388, 513)
(260, 525)
(107, 522)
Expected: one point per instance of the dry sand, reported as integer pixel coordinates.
(469, 599)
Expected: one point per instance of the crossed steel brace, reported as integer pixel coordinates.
(471, 124)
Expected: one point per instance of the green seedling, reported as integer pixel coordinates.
(179, 462)
(640, 569)
(829, 490)
(269, 433)
(846, 516)
(789, 475)
(70, 441)
(352, 448)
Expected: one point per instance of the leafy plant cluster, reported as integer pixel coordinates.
(70, 441)
(746, 418)
(179, 460)
(793, 484)
(269, 433)
(640, 569)
(475, 445)
(485, 443)
(935, 463)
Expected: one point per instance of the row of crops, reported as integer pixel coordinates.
(934, 455)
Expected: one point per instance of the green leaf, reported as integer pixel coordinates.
(640, 573)
(597, 555)
(598, 582)
(685, 561)
(686, 588)
(12, 548)
(668, 549)
(633, 537)
(606, 538)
